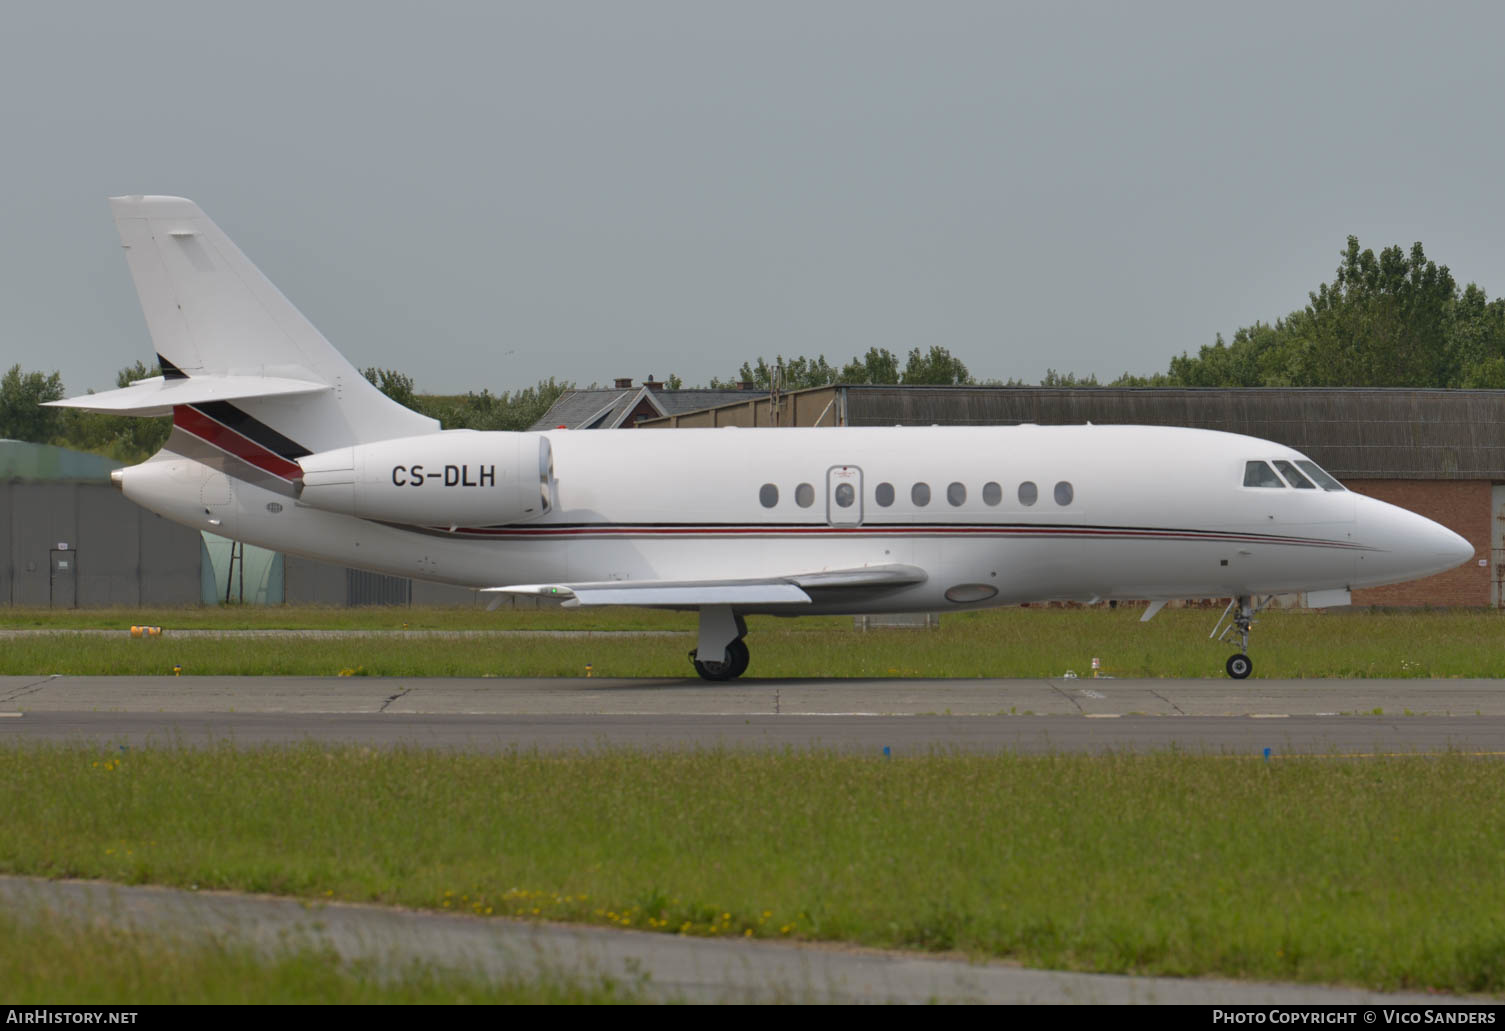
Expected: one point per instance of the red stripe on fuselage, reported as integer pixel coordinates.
(932, 530)
(193, 421)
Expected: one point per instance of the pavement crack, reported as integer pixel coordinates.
(1056, 688)
(26, 689)
(1167, 701)
(394, 698)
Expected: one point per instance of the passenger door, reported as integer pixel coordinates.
(844, 495)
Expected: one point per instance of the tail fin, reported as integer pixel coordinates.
(214, 317)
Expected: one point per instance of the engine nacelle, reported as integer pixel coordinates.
(450, 478)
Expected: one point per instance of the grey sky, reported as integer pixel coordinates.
(484, 194)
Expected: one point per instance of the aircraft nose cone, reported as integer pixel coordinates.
(1404, 545)
(1452, 548)
(1437, 548)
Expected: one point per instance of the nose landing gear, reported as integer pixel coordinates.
(1239, 666)
(1243, 612)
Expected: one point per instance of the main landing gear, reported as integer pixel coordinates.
(732, 666)
(1243, 611)
(721, 633)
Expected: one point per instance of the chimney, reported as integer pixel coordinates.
(652, 384)
(624, 384)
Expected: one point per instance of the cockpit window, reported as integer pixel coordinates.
(1258, 474)
(1294, 477)
(1324, 480)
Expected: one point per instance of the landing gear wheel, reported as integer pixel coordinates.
(1239, 666)
(731, 667)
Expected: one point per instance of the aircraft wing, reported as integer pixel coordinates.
(156, 396)
(793, 589)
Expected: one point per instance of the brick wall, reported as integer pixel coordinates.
(1463, 506)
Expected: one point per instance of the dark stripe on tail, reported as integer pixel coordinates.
(227, 414)
(169, 370)
(234, 439)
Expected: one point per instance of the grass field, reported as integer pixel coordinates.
(1032, 642)
(1383, 872)
(44, 960)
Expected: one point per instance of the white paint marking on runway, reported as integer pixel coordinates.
(1269, 715)
(13, 715)
(1102, 715)
(821, 714)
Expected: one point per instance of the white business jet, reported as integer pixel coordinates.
(278, 441)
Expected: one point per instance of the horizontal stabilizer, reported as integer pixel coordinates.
(156, 396)
(778, 590)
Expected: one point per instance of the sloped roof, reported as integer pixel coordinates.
(585, 409)
(607, 408)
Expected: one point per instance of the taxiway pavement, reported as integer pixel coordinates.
(905, 716)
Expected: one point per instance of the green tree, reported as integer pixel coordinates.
(396, 385)
(1070, 379)
(878, 366)
(1396, 319)
(936, 366)
(1476, 335)
(128, 439)
(21, 395)
(1382, 322)
(509, 410)
(798, 373)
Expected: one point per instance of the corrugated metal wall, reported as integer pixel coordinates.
(117, 552)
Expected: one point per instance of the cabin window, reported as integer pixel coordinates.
(956, 494)
(1294, 477)
(804, 495)
(1028, 493)
(845, 495)
(1259, 474)
(768, 495)
(884, 494)
(920, 494)
(1324, 480)
(1064, 493)
(992, 494)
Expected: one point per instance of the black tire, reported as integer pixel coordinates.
(731, 667)
(1239, 666)
(738, 654)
